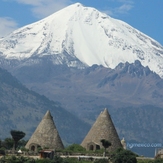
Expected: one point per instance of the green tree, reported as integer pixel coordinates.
(16, 135)
(106, 144)
(7, 143)
(123, 156)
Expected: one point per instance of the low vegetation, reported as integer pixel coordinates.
(118, 156)
(150, 161)
(123, 156)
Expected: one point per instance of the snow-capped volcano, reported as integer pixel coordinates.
(78, 34)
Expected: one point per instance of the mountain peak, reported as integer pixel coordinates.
(78, 4)
(84, 37)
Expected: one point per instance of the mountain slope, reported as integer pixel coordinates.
(84, 37)
(22, 109)
(132, 93)
(127, 84)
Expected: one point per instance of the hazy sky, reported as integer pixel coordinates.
(145, 15)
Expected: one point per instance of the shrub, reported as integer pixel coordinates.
(123, 156)
(2, 151)
(75, 148)
(101, 161)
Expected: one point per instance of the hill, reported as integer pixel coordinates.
(22, 109)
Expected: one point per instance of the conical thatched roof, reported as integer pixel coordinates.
(45, 135)
(103, 128)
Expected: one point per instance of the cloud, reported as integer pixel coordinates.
(126, 6)
(123, 7)
(43, 8)
(7, 26)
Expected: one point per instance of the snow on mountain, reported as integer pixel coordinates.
(77, 33)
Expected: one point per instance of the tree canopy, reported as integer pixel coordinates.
(123, 156)
(16, 135)
(105, 143)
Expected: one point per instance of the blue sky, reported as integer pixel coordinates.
(144, 15)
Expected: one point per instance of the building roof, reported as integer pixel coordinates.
(46, 134)
(103, 128)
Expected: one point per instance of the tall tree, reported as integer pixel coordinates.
(106, 144)
(16, 135)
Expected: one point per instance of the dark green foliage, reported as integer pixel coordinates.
(16, 135)
(106, 144)
(2, 151)
(70, 160)
(75, 160)
(101, 161)
(123, 156)
(22, 143)
(7, 143)
(43, 161)
(14, 159)
(56, 159)
(159, 160)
